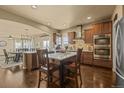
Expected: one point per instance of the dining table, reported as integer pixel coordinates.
(17, 55)
(62, 58)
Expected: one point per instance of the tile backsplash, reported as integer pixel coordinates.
(81, 44)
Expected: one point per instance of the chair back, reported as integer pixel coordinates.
(78, 58)
(5, 53)
(43, 58)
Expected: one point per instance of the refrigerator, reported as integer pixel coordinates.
(118, 52)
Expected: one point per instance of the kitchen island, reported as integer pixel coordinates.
(30, 60)
(61, 59)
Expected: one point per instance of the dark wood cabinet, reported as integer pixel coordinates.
(103, 63)
(87, 58)
(30, 61)
(106, 28)
(97, 28)
(88, 36)
(102, 28)
(71, 37)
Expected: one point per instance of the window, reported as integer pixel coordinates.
(65, 39)
(58, 40)
(23, 43)
(18, 44)
(27, 43)
(46, 44)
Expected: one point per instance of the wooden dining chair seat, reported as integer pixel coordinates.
(52, 68)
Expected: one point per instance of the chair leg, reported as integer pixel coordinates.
(7, 61)
(76, 81)
(80, 78)
(51, 79)
(48, 81)
(39, 79)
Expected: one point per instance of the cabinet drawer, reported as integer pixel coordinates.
(88, 62)
(103, 63)
(88, 57)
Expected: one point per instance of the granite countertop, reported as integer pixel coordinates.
(30, 52)
(86, 51)
(82, 51)
(61, 56)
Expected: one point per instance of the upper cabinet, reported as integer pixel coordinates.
(71, 37)
(99, 28)
(88, 36)
(103, 28)
(106, 28)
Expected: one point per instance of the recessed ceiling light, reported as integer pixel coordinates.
(89, 17)
(48, 23)
(64, 24)
(34, 6)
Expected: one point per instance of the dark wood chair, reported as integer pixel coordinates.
(7, 57)
(18, 57)
(47, 68)
(73, 70)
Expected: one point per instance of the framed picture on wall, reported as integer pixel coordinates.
(3, 43)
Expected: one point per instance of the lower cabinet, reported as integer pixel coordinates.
(87, 58)
(30, 61)
(102, 63)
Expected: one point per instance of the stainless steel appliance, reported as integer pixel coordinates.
(118, 50)
(102, 46)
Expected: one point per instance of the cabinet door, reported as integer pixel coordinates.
(87, 58)
(97, 28)
(106, 27)
(89, 36)
(71, 37)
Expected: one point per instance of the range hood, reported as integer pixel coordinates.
(78, 34)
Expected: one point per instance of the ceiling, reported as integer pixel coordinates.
(16, 29)
(61, 16)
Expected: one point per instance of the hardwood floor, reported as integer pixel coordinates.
(93, 77)
(96, 77)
